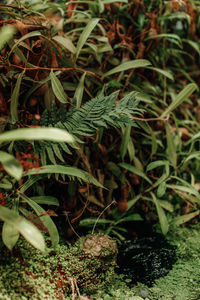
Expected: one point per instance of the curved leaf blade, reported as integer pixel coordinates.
(135, 171)
(85, 34)
(26, 228)
(183, 95)
(161, 215)
(6, 34)
(11, 165)
(10, 235)
(132, 64)
(46, 220)
(48, 200)
(14, 99)
(38, 133)
(65, 42)
(58, 88)
(163, 72)
(70, 171)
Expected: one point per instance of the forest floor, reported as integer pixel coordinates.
(24, 278)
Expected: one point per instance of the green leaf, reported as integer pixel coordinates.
(6, 34)
(186, 189)
(131, 150)
(182, 96)
(65, 42)
(70, 171)
(113, 1)
(193, 44)
(85, 34)
(11, 165)
(195, 155)
(58, 88)
(135, 171)
(10, 235)
(133, 217)
(160, 180)
(24, 37)
(169, 36)
(185, 218)
(78, 95)
(156, 164)
(163, 72)
(24, 227)
(14, 99)
(166, 205)
(51, 155)
(193, 138)
(48, 200)
(125, 141)
(88, 222)
(161, 189)
(132, 64)
(38, 133)
(57, 152)
(46, 220)
(133, 201)
(171, 149)
(161, 215)
(30, 182)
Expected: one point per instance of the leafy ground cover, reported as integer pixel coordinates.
(182, 282)
(65, 268)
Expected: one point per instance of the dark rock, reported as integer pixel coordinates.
(146, 259)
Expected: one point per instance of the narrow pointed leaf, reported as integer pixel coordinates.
(70, 171)
(172, 155)
(11, 165)
(182, 96)
(125, 141)
(24, 37)
(58, 88)
(14, 99)
(65, 42)
(132, 64)
(38, 133)
(6, 34)
(163, 72)
(46, 220)
(161, 215)
(185, 218)
(79, 91)
(48, 200)
(161, 189)
(10, 235)
(26, 228)
(85, 34)
(135, 171)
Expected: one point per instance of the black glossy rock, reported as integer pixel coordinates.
(146, 259)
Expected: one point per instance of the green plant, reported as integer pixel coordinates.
(61, 65)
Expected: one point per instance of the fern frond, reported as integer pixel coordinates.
(101, 111)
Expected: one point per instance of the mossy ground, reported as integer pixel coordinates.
(42, 277)
(181, 283)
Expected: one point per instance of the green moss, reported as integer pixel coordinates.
(32, 275)
(181, 283)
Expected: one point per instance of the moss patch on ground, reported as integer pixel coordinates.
(32, 275)
(58, 274)
(181, 283)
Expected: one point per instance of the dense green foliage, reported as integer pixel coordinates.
(96, 110)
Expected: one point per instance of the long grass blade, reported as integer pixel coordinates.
(132, 64)
(85, 34)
